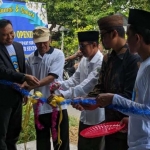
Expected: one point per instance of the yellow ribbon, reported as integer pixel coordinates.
(38, 94)
(60, 119)
(55, 101)
(31, 100)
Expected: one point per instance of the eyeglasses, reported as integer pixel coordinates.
(103, 34)
(83, 46)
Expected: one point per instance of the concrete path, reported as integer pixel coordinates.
(32, 146)
(73, 112)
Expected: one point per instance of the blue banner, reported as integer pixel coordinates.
(25, 17)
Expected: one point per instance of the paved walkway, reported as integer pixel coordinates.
(31, 146)
(73, 112)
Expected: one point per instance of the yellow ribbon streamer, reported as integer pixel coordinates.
(60, 119)
(31, 100)
(54, 101)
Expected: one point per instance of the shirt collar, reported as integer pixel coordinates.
(48, 52)
(96, 56)
(121, 53)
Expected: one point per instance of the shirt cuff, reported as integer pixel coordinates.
(54, 75)
(114, 100)
(66, 94)
(60, 82)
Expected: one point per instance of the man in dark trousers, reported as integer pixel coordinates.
(117, 75)
(47, 63)
(12, 68)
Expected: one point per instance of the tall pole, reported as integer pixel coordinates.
(62, 40)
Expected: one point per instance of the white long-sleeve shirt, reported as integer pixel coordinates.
(139, 124)
(81, 83)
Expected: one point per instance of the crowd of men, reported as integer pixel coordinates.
(121, 77)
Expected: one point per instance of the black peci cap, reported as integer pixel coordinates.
(88, 36)
(139, 18)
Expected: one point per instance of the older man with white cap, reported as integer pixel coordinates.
(47, 63)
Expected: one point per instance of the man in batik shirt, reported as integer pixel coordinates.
(117, 75)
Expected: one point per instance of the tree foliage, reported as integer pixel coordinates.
(77, 15)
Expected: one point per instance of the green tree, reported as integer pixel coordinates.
(79, 15)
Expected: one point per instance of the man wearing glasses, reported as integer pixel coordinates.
(82, 82)
(117, 75)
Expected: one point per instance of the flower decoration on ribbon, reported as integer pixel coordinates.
(55, 100)
(61, 101)
(32, 99)
(36, 96)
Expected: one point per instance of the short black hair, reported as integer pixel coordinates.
(4, 23)
(120, 30)
(145, 33)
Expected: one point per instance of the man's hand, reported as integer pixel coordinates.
(79, 53)
(50, 98)
(31, 80)
(55, 86)
(78, 107)
(124, 121)
(104, 100)
(76, 66)
(90, 107)
(25, 85)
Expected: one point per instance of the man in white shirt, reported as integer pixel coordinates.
(139, 124)
(82, 82)
(47, 63)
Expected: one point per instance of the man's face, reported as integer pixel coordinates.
(43, 47)
(132, 41)
(106, 39)
(6, 35)
(86, 48)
